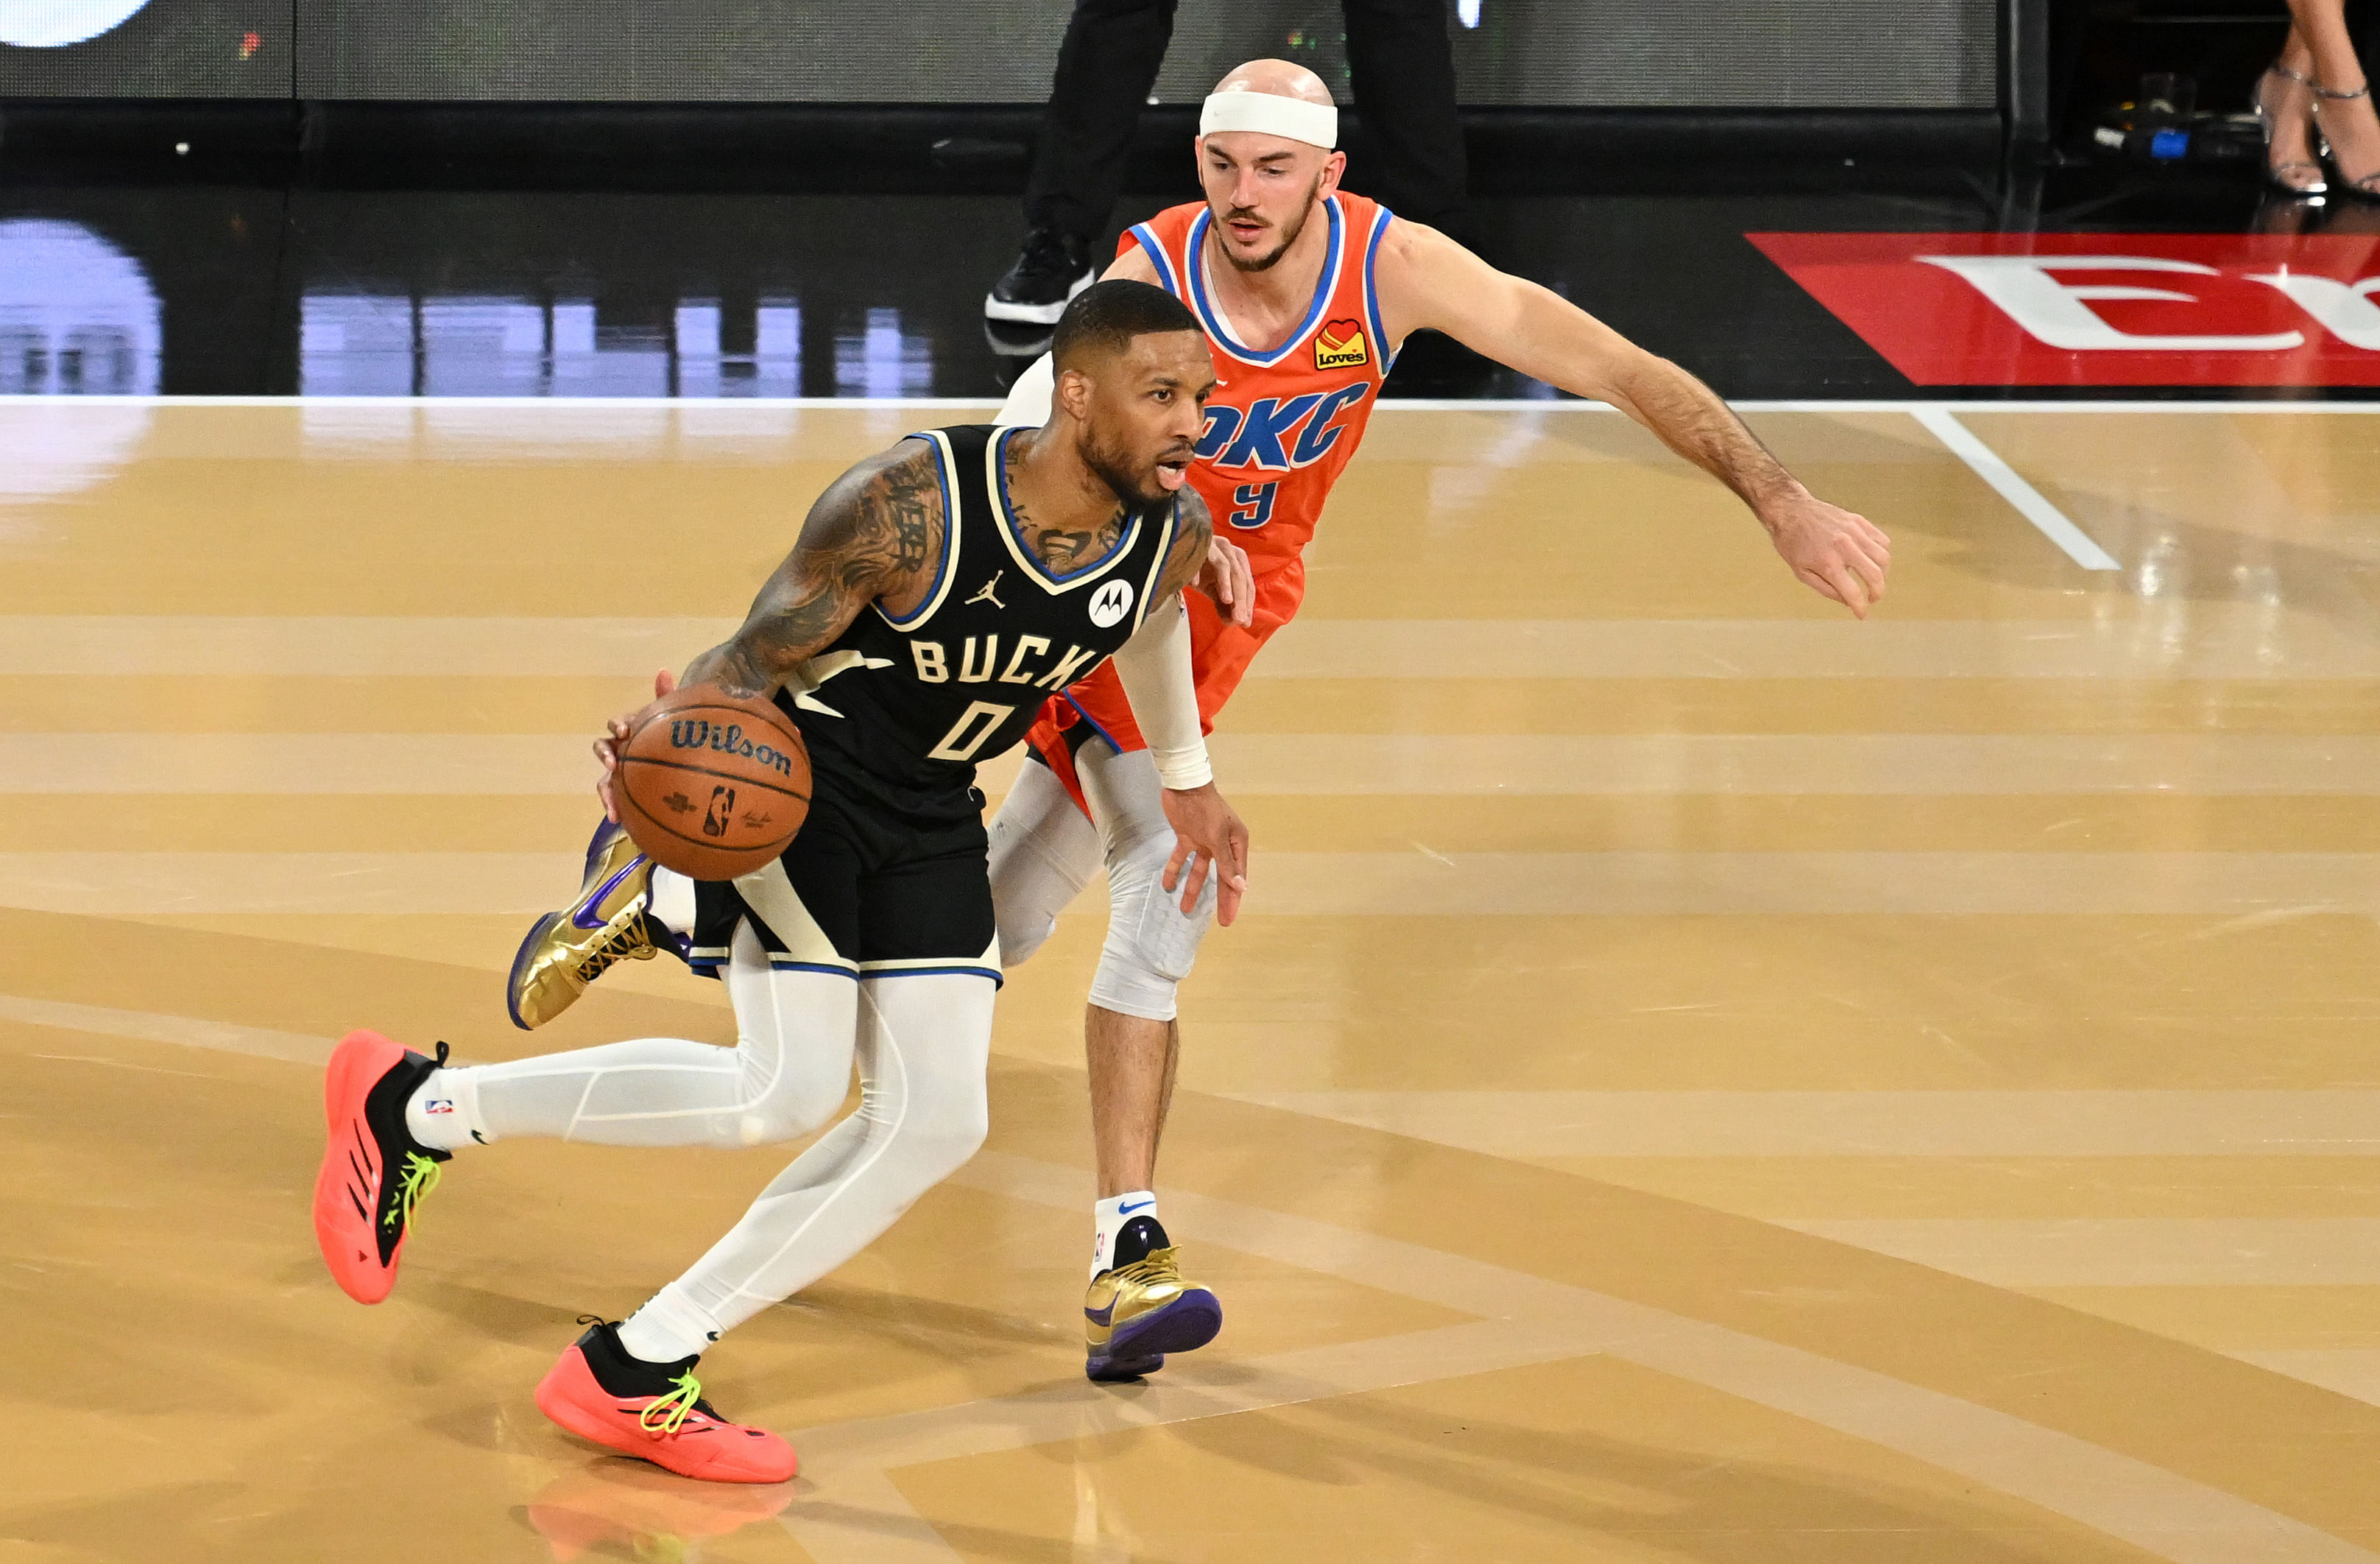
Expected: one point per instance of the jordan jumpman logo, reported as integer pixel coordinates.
(987, 595)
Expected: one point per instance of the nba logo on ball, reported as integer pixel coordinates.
(1111, 603)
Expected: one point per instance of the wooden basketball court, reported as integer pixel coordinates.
(1700, 1078)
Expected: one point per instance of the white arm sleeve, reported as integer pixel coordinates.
(1154, 666)
(1028, 399)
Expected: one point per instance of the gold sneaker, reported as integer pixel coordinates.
(568, 950)
(1135, 1315)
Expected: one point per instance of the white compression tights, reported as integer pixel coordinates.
(922, 1045)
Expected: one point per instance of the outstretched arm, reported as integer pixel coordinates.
(1427, 279)
(1154, 668)
(873, 533)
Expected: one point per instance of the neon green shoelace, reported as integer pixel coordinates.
(673, 1407)
(420, 1176)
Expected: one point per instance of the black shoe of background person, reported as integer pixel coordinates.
(1053, 269)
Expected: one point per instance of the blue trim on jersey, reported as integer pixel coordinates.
(997, 977)
(1381, 353)
(1067, 696)
(1194, 252)
(933, 597)
(1157, 258)
(791, 966)
(1008, 519)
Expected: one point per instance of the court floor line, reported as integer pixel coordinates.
(1524, 1318)
(1416, 884)
(1333, 764)
(2223, 642)
(2153, 1509)
(148, 1026)
(1552, 402)
(2122, 1251)
(1881, 1124)
(2010, 485)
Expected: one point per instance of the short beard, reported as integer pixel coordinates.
(1266, 262)
(1109, 468)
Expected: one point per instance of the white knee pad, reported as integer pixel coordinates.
(1043, 852)
(1151, 942)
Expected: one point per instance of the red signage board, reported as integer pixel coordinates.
(2101, 309)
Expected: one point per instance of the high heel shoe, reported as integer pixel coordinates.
(2364, 187)
(2280, 174)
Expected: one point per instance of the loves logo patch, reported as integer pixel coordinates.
(1340, 345)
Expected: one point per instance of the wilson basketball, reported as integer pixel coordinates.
(712, 785)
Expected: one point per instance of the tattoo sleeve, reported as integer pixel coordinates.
(1190, 540)
(875, 530)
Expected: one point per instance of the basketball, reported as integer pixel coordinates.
(711, 785)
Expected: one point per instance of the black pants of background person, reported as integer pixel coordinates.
(1397, 51)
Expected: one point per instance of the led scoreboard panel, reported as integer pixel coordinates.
(1707, 54)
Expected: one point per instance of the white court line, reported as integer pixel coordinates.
(146, 1026)
(1391, 404)
(855, 1514)
(2012, 487)
(1899, 1124)
(2225, 641)
(2027, 1252)
(1286, 765)
(1342, 884)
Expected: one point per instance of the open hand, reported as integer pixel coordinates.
(1207, 836)
(1835, 553)
(616, 733)
(1227, 579)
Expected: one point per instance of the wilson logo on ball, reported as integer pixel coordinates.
(696, 733)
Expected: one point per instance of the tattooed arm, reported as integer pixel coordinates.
(1187, 561)
(871, 535)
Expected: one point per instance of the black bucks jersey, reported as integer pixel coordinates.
(903, 708)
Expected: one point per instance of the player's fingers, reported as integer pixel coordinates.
(664, 683)
(1227, 903)
(1848, 589)
(1194, 882)
(1871, 575)
(1173, 864)
(1243, 606)
(1810, 577)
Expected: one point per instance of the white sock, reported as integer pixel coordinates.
(670, 902)
(1109, 1217)
(667, 1330)
(443, 1114)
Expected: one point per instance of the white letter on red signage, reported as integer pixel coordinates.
(2053, 311)
(2344, 310)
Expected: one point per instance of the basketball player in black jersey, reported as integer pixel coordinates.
(936, 595)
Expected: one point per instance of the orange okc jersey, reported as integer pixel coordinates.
(1280, 427)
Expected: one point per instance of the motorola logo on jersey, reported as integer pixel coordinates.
(1279, 434)
(53, 24)
(1111, 603)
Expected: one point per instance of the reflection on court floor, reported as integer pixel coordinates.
(1699, 1076)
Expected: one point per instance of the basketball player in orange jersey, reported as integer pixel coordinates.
(1305, 294)
(937, 593)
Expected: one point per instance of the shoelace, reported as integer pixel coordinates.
(627, 945)
(420, 1176)
(1157, 1265)
(674, 1408)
